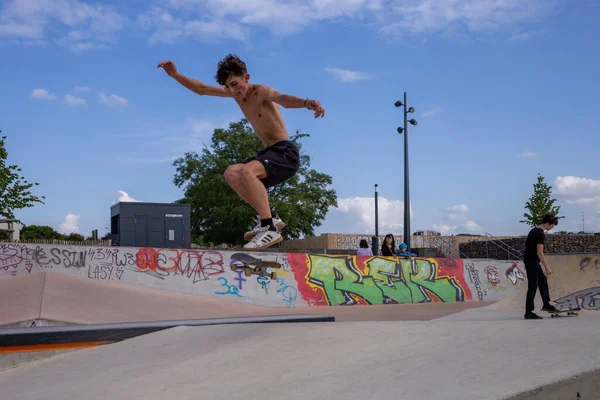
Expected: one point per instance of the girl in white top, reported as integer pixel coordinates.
(364, 249)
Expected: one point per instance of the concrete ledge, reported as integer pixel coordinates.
(121, 331)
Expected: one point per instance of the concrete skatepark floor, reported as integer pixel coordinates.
(435, 359)
(455, 350)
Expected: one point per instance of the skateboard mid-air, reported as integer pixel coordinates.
(256, 268)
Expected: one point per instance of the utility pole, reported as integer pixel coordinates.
(406, 175)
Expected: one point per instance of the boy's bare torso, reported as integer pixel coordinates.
(264, 116)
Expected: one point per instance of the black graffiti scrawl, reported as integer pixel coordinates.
(587, 299)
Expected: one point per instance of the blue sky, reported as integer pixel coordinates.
(502, 91)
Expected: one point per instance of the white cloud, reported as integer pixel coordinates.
(70, 224)
(462, 208)
(472, 227)
(477, 16)
(390, 17)
(74, 101)
(361, 210)
(346, 75)
(124, 197)
(431, 113)
(527, 154)
(76, 24)
(454, 216)
(82, 89)
(42, 94)
(524, 36)
(574, 186)
(169, 28)
(112, 100)
(578, 191)
(444, 228)
(457, 212)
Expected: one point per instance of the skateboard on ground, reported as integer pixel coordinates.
(256, 268)
(573, 312)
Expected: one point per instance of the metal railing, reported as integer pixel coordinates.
(511, 252)
(447, 247)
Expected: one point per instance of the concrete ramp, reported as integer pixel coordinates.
(575, 282)
(355, 360)
(57, 297)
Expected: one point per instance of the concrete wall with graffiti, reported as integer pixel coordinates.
(304, 279)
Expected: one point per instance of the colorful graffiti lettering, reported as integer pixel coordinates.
(197, 265)
(349, 280)
(493, 276)
(514, 274)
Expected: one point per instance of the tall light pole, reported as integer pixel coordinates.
(406, 186)
(375, 241)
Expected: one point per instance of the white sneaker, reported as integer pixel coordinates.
(279, 224)
(263, 238)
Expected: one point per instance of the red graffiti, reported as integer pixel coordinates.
(366, 280)
(197, 265)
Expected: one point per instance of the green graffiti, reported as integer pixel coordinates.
(339, 277)
(388, 281)
(388, 276)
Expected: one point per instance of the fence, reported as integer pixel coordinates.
(96, 243)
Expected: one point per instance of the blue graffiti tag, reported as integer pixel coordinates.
(231, 289)
(289, 293)
(264, 281)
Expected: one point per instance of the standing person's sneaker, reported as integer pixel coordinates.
(263, 238)
(279, 224)
(550, 308)
(532, 316)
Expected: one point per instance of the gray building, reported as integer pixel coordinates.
(150, 225)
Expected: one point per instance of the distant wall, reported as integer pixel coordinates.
(304, 279)
(449, 246)
(554, 244)
(343, 241)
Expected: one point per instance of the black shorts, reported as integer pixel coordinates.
(281, 161)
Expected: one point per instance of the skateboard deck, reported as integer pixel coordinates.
(564, 313)
(256, 268)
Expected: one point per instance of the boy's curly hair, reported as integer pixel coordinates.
(228, 66)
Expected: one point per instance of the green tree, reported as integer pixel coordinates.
(540, 203)
(219, 215)
(14, 190)
(74, 237)
(39, 232)
(5, 235)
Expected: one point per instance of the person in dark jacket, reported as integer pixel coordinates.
(388, 247)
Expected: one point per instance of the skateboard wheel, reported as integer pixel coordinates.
(234, 267)
(273, 276)
(248, 272)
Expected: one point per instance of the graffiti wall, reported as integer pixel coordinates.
(303, 280)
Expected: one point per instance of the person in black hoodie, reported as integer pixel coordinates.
(533, 258)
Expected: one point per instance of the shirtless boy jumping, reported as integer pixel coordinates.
(277, 162)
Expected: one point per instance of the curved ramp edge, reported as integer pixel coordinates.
(582, 386)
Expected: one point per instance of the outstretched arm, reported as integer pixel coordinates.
(192, 84)
(289, 101)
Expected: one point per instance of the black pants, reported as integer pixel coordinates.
(536, 278)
